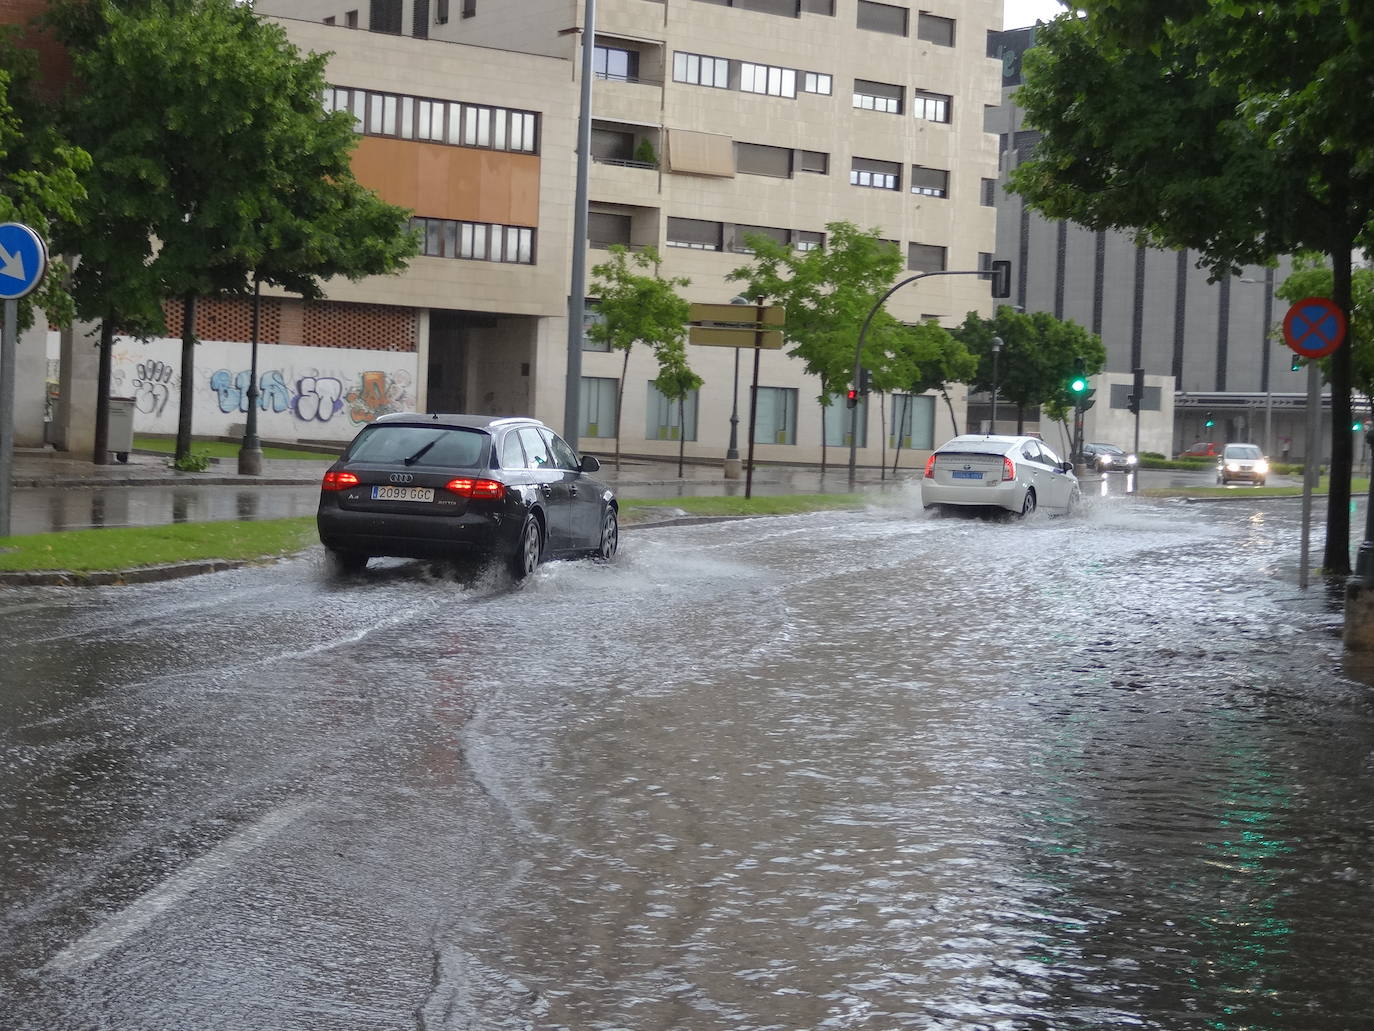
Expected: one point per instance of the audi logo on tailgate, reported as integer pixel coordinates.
(402, 477)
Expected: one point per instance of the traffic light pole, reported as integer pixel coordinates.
(863, 331)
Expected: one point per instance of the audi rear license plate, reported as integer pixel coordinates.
(402, 493)
(967, 474)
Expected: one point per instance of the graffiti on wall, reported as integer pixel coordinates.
(315, 399)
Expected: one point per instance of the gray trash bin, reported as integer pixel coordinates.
(120, 437)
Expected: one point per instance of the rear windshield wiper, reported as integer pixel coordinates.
(421, 453)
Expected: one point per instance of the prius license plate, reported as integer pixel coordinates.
(402, 493)
(967, 474)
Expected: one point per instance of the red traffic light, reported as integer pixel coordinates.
(851, 399)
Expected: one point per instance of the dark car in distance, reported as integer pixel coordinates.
(1105, 457)
(454, 486)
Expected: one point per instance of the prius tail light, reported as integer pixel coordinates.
(338, 481)
(930, 468)
(488, 490)
(1008, 469)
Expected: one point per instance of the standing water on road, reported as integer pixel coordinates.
(848, 770)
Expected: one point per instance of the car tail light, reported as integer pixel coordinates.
(338, 481)
(930, 468)
(467, 488)
(1008, 469)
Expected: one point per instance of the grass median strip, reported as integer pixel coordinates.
(223, 449)
(128, 547)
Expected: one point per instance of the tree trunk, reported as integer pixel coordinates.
(825, 413)
(188, 378)
(882, 437)
(1020, 420)
(620, 403)
(950, 404)
(102, 397)
(1337, 558)
(901, 428)
(681, 433)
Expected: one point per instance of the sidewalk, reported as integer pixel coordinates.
(59, 491)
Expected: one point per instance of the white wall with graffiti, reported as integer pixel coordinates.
(304, 393)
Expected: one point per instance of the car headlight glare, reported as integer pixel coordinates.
(1261, 466)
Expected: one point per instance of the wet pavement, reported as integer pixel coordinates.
(861, 771)
(55, 491)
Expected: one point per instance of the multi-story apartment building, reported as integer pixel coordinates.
(1206, 347)
(710, 119)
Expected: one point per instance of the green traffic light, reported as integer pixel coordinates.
(1357, 426)
(1079, 385)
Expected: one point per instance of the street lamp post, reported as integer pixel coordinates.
(250, 451)
(996, 350)
(732, 465)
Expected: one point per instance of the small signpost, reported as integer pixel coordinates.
(23, 263)
(756, 326)
(1313, 328)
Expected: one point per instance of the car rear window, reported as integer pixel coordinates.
(423, 445)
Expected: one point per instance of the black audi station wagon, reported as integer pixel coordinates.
(454, 486)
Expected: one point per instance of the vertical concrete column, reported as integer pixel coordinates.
(421, 401)
(30, 381)
(74, 418)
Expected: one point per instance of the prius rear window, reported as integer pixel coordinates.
(420, 446)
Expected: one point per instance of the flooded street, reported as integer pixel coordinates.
(862, 770)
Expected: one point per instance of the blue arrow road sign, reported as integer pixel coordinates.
(23, 260)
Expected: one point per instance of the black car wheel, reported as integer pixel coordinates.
(345, 561)
(525, 559)
(1028, 505)
(610, 536)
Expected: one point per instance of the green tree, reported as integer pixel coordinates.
(1037, 357)
(827, 293)
(40, 173)
(636, 304)
(1311, 277)
(1235, 129)
(925, 357)
(215, 164)
(676, 381)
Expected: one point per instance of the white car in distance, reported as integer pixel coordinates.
(1015, 474)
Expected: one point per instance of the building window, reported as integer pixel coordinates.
(775, 420)
(804, 240)
(877, 175)
(440, 12)
(351, 19)
(934, 29)
(883, 18)
(615, 63)
(932, 182)
(435, 121)
(694, 233)
(741, 246)
(816, 82)
(419, 19)
(385, 16)
(814, 161)
(913, 421)
(758, 159)
(989, 196)
(925, 257)
(818, 7)
(475, 241)
(469, 8)
(592, 316)
(837, 421)
(699, 70)
(878, 96)
(933, 107)
(598, 406)
(605, 228)
(768, 79)
(662, 421)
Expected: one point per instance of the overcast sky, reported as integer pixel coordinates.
(1020, 13)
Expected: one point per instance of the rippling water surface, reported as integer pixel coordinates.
(864, 770)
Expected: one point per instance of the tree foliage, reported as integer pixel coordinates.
(40, 173)
(213, 163)
(636, 304)
(1037, 357)
(1239, 129)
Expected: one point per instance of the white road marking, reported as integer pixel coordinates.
(136, 916)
